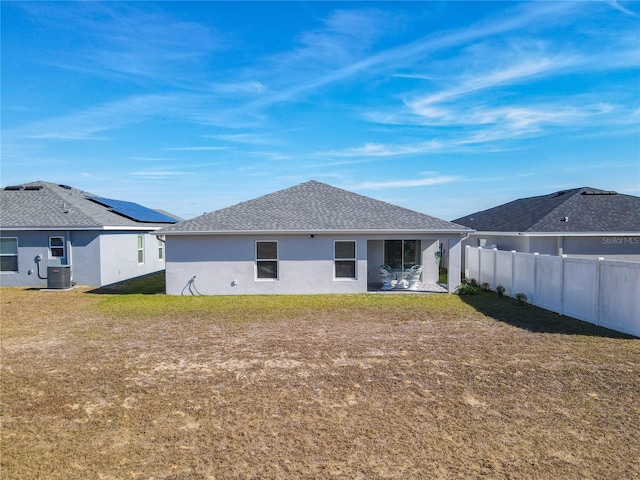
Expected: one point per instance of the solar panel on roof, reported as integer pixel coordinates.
(134, 211)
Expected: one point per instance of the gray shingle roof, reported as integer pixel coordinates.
(585, 209)
(48, 205)
(312, 207)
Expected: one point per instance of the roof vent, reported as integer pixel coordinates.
(33, 187)
(14, 187)
(560, 193)
(67, 187)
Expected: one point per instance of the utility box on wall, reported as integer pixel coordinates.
(59, 277)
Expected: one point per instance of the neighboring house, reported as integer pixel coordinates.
(102, 240)
(580, 222)
(310, 238)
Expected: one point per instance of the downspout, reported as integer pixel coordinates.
(69, 255)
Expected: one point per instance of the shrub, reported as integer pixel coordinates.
(500, 290)
(467, 289)
(486, 286)
(521, 298)
(470, 281)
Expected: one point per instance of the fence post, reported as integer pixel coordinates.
(562, 285)
(479, 279)
(598, 290)
(466, 261)
(513, 272)
(535, 277)
(495, 268)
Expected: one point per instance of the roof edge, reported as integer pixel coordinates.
(79, 228)
(315, 232)
(555, 234)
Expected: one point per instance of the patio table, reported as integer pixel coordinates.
(401, 275)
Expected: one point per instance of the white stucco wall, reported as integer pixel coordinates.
(620, 248)
(119, 256)
(30, 245)
(225, 265)
(97, 258)
(85, 258)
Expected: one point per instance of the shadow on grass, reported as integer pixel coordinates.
(534, 319)
(150, 284)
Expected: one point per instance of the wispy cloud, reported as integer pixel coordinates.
(385, 150)
(345, 35)
(116, 38)
(246, 138)
(160, 173)
(90, 123)
(197, 149)
(420, 182)
(517, 72)
(486, 129)
(620, 8)
(243, 88)
(390, 60)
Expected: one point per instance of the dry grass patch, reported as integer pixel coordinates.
(362, 386)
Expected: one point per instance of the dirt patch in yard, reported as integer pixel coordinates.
(367, 386)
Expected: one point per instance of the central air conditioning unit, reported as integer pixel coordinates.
(59, 277)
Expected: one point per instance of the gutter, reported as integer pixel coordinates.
(315, 232)
(556, 234)
(81, 229)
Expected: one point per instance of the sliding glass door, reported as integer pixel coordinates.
(402, 253)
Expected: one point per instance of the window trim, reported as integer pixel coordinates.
(140, 249)
(276, 259)
(160, 249)
(60, 247)
(17, 270)
(354, 259)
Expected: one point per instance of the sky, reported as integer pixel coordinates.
(446, 108)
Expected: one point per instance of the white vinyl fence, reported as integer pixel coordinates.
(603, 292)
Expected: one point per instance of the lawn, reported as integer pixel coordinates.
(397, 386)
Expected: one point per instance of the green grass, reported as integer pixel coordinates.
(151, 284)
(248, 307)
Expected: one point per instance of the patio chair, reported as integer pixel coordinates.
(385, 277)
(414, 277)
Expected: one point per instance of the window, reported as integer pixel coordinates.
(402, 253)
(56, 247)
(345, 259)
(8, 254)
(160, 249)
(267, 260)
(140, 249)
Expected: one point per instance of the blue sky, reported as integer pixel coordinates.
(444, 108)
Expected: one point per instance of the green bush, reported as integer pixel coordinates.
(521, 298)
(486, 286)
(500, 290)
(468, 289)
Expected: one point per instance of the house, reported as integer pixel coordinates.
(579, 222)
(310, 238)
(92, 240)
